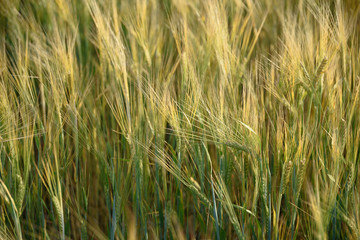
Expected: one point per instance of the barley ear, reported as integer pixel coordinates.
(285, 176)
(20, 193)
(321, 68)
(60, 215)
(350, 178)
(300, 177)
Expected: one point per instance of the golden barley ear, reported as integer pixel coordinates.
(321, 68)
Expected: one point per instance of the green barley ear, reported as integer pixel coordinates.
(350, 178)
(229, 169)
(285, 177)
(351, 223)
(200, 195)
(263, 187)
(300, 177)
(342, 134)
(83, 230)
(246, 167)
(5, 194)
(59, 213)
(264, 193)
(20, 193)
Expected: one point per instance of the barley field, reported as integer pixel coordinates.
(179, 119)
